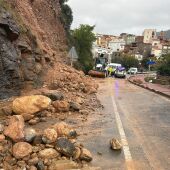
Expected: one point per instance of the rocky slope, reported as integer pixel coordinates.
(32, 39)
(33, 65)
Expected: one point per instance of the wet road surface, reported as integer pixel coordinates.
(140, 119)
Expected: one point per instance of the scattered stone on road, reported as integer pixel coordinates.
(115, 144)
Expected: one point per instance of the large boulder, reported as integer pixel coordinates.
(63, 165)
(49, 136)
(21, 150)
(61, 106)
(65, 147)
(30, 104)
(15, 128)
(49, 153)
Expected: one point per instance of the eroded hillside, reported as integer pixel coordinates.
(32, 40)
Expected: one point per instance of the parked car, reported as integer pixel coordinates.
(120, 72)
(133, 70)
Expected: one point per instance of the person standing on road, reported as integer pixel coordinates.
(110, 70)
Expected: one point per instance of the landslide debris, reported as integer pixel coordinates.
(50, 152)
(40, 90)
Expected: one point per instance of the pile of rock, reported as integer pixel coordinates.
(36, 108)
(71, 80)
(53, 149)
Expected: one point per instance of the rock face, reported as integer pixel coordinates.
(22, 64)
(64, 146)
(9, 25)
(15, 128)
(115, 144)
(30, 104)
(16, 65)
(21, 150)
(9, 66)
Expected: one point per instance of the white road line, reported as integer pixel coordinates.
(126, 150)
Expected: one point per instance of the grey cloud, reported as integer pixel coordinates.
(117, 16)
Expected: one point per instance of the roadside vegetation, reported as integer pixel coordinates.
(83, 38)
(66, 15)
(164, 68)
(126, 60)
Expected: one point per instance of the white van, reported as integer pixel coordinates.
(133, 70)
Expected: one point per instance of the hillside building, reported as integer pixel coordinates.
(149, 35)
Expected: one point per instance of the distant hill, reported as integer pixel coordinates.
(167, 34)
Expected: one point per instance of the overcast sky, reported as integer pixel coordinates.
(117, 16)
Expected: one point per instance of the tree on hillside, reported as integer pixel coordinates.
(126, 60)
(66, 15)
(144, 62)
(164, 68)
(130, 61)
(83, 38)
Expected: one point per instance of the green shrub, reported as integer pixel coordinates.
(164, 68)
(126, 60)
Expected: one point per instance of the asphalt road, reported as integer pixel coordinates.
(140, 119)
